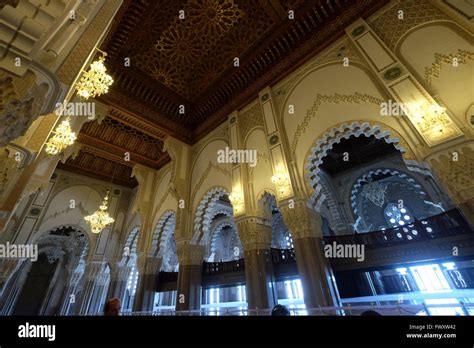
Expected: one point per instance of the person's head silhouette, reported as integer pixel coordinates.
(280, 311)
(112, 307)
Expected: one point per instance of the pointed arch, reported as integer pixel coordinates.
(163, 231)
(216, 233)
(203, 214)
(345, 130)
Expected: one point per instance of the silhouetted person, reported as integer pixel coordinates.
(371, 313)
(112, 307)
(280, 311)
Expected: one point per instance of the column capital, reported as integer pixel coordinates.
(301, 220)
(141, 262)
(153, 265)
(189, 254)
(254, 233)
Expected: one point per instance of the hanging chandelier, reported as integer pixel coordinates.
(236, 198)
(281, 181)
(62, 138)
(96, 81)
(100, 219)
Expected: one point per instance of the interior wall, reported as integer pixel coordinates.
(261, 174)
(207, 173)
(348, 93)
(429, 51)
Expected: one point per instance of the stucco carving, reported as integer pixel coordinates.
(332, 99)
(8, 169)
(346, 130)
(203, 213)
(189, 254)
(390, 28)
(254, 235)
(16, 113)
(440, 58)
(301, 220)
(204, 176)
(250, 118)
(342, 49)
(455, 169)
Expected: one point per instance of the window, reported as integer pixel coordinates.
(292, 296)
(289, 241)
(165, 301)
(402, 219)
(456, 276)
(132, 281)
(431, 279)
(225, 301)
(131, 288)
(396, 216)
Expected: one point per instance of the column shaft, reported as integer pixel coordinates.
(189, 287)
(315, 271)
(256, 240)
(259, 279)
(146, 287)
(189, 275)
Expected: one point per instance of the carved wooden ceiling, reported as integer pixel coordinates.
(116, 141)
(190, 62)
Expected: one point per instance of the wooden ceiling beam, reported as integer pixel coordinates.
(133, 121)
(271, 11)
(116, 153)
(136, 74)
(145, 114)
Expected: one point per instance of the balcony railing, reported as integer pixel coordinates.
(445, 224)
(210, 268)
(466, 309)
(282, 256)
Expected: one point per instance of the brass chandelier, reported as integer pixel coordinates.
(100, 219)
(96, 81)
(236, 198)
(62, 138)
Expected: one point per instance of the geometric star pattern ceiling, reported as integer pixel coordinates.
(187, 55)
(187, 63)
